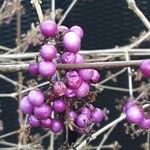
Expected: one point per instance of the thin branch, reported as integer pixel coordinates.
(132, 5)
(8, 144)
(115, 122)
(110, 77)
(139, 41)
(96, 65)
(53, 9)
(67, 12)
(9, 134)
(37, 5)
(5, 48)
(82, 137)
(11, 81)
(95, 135)
(101, 52)
(106, 137)
(24, 91)
(130, 83)
(148, 141)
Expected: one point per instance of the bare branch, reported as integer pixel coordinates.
(67, 11)
(37, 5)
(96, 65)
(132, 5)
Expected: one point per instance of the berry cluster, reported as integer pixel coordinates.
(85, 116)
(66, 100)
(136, 115)
(40, 112)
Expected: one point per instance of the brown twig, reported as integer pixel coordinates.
(96, 65)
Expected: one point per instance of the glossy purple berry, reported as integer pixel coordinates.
(33, 69)
(26, 106)
(82, 121)
(59, 105)
(33, 121)
(86, 74)
(63, 29)
(97, 115)
(46, 123)
(79, 59)
(48, 28)
(73, 80)
(83, 90)
(72, 42)
(48, 52)
(78, 30)
(129, 104)
(145, 68)
(86, 111)
(47, 69)
(68, 58)
(134, 115)
(72, 115)
(56, 126)
(36, 97)
(145, 124)
(70, 93)
(59, 88)
(95, 77)
(43, 111)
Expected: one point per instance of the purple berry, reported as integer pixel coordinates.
(68, 58)
(86, 111)
(86, 74)
(73, 79)
(78, 30)
(63, 29)
(95, 77)
(82, 121)
(134, 115)
(46, 123)
(129, 104)
(79, 59)
(56, 126)
(59, 88)
(48, 28)
(69, 93)
(59, 105)
(72, 42)
(48, 52)
(36, 97)
(33, 69)
(97, 115)
(145, 68)
(145, 123)
(47, 69)
(83, 90)
(33, 121)
(26, 106)
(43, 111)
(72, 115)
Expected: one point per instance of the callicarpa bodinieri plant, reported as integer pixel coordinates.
(70, 82)
(69, 89)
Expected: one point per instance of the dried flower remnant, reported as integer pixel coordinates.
(8, 10)
(32, 37)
